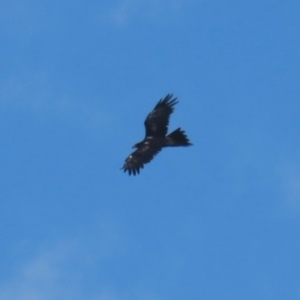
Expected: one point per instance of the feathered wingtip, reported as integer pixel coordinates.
(168, 101)
(131, 171)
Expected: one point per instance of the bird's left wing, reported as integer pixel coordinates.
(157, 121)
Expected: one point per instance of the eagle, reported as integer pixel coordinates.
(156, 138)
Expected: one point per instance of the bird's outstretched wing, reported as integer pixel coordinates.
(136, 160)
(157, 121)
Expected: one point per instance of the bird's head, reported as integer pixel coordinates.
(137, 145)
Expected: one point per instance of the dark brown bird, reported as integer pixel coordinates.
(156, 125)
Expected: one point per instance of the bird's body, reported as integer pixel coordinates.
(156, 125)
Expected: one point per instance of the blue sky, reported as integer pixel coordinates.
(219, 220)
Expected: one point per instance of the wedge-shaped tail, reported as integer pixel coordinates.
(177, 138)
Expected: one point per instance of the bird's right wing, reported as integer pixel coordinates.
(136, 160)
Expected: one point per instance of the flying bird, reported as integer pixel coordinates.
(156, 138)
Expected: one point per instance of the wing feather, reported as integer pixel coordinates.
(136, 160)
(157, 121)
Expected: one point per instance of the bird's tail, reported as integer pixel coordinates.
(177, 138)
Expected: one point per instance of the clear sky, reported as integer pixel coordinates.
(218, 220)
